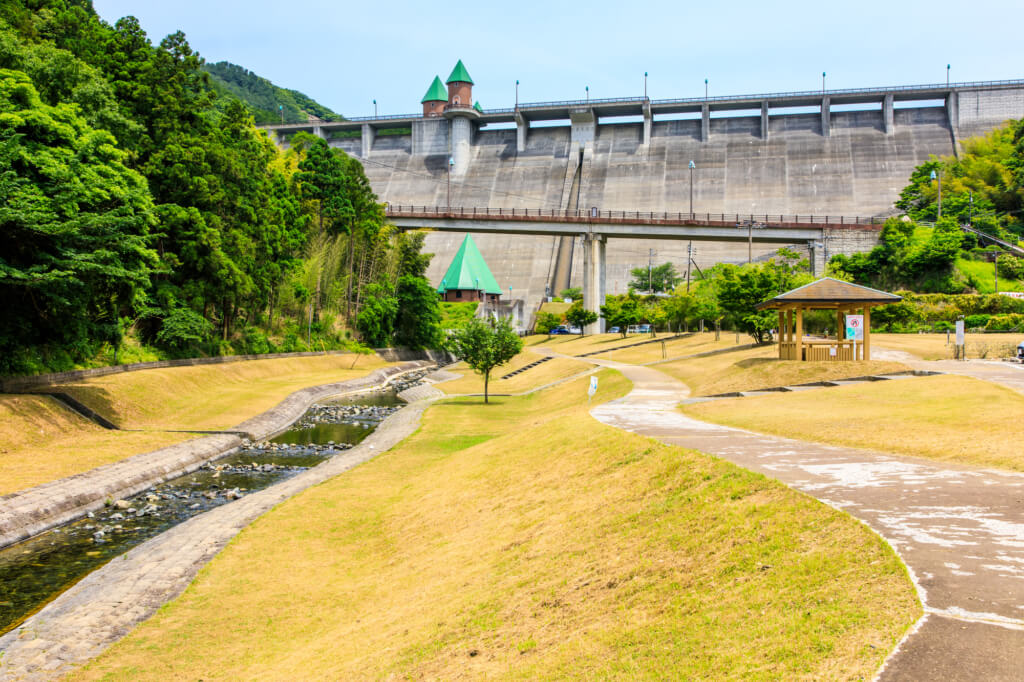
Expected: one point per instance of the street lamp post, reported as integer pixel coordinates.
(517, 93)
(938, 176)
(587, 88)
(692, 166)
(375, 108)
(705, 89)
(823, 82)
(280, 108)
(947, 74)
(970, 210)
(645, 85)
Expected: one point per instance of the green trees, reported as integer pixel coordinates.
(546, 322)
(622, 311)
(658, 279)
(579, 316)
(74, 227)
(484, 345)
(743, 287)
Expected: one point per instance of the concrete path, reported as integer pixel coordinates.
(959, 530)
(109, 602)
(1009, 374)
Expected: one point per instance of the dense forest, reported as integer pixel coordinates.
(142, 211)
(267, 102)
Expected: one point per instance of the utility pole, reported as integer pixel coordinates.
(750, 242)
(689, 259)
(995, 263)
(650, 265)
(970, 210)
(451, 162)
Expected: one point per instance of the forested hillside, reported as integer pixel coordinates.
(267, 102)
(137, 202)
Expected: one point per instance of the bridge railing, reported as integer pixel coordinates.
(742, 220)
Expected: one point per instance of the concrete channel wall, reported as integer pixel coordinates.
(30, 512)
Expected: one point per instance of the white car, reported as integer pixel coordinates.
(1020, 351)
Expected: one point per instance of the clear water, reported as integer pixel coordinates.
(36, 571)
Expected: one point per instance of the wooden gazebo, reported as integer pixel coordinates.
(825, 294)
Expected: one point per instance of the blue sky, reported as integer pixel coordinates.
(346, 54)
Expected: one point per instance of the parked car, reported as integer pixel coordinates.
(575, 330)
(560, 329)
(614, 330)
(1020, 351)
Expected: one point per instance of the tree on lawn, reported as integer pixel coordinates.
(659, 279)
(546, 322)
(743, 287)
(621, 311)
(579, 316)
(484, 345)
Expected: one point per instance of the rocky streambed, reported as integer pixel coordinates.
(35, 571)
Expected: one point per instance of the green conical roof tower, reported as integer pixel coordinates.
(436, 92)
(469, 271)
(459, 75)
(476, 105)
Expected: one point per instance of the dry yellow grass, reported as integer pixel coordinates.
(947, 418)
(526, 541)
(574, 344)
(933, 346)
(753, 368)
(541, 375)
(40, 441)
(211, 397)
(689, 345)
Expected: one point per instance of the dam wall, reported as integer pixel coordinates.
(834, 160)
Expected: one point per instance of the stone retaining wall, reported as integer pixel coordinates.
(30, 512)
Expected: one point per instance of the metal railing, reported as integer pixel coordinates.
(687, 100)
(740, 220)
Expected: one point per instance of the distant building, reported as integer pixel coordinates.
(468, 278)
(457, 99)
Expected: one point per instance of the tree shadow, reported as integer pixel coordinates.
(96, 398)
(755, 362)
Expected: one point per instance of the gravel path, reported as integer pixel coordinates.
(960, 530)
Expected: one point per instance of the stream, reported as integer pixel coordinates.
(36, 571)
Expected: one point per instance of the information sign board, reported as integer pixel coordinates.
(855, 327)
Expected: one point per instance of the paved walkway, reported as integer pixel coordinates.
(1009, 374)
(959, 530)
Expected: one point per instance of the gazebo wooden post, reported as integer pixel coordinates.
(782, 332)
(799, 334)
(789, 333)
(867, 332)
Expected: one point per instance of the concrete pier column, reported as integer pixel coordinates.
(462, 140)
(522, 128)
(648, 122)
(584, 125)
(369, 133)
(319, 132)
(764, 119)
(817, 257)
(594, 278)
(826, 116)
(953, 116)
(887, 117)
(705, 122)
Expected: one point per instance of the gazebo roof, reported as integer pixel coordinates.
(828, 292)
(469, 271)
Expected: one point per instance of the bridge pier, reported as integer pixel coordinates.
(648, 121)
(368, 135)
(594, 278)
(826, 116)
(764, 119)
(887, 117)
(584, 126)
(705, 122)
(522, 128)
(953, 116)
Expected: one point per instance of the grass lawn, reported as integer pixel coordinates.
(933, 346)
(552, 370)
(689, 345)
(948, 418)
(753, 368)
(982, 273)
(574, 344)
(524, 540)
(211, 396)
(42, 441)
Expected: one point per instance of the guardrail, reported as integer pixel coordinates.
(653, 217)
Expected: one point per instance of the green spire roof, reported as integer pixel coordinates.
(436, 92)
(476, 105)
(459, 75)
(469, 271)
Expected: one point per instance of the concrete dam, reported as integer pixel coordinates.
(811, 155)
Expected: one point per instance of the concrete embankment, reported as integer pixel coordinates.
(29, 512)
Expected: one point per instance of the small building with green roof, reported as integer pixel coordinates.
(435, 99)
(468, 278)
(460, 87)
